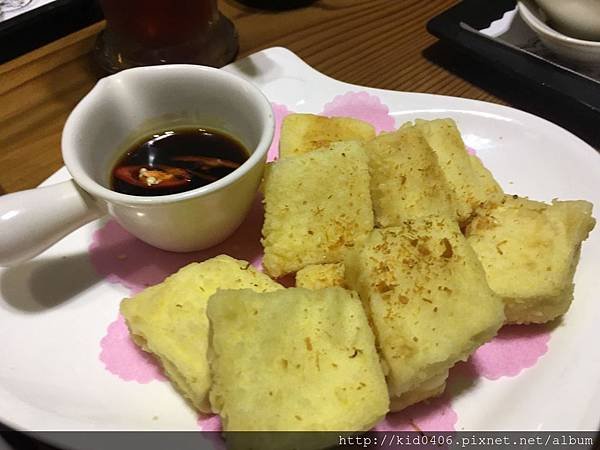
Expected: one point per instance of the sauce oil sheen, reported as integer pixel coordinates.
(178, 160)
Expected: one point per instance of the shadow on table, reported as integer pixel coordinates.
(533, 99)
(43, 284)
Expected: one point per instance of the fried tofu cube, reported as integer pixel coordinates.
(529, 251)
(406, 180)
(317, 206)
(488, 184)
(471, 193)
(319, 276)
(427, 298)
(169, 319)
(433, 387)
(294, 360)
(303, 133)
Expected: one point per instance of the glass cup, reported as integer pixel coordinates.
(151, 32)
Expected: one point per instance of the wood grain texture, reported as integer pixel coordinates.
(377, 43)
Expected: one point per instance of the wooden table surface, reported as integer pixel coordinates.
(378, 43)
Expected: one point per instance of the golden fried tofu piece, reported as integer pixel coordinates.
(470, 190)
(303, 133)
(294, 360)
(430, 388)
(529, 251)
(317, 206)
(319, 276)
(489, 187)
(169, 319)
(406, 180)
(427, 298)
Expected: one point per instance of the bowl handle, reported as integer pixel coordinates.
(33, 220)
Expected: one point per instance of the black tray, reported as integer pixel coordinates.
(460, 24)
(45, 24)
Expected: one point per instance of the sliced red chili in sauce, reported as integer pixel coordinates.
(176, 161)
(133, 175)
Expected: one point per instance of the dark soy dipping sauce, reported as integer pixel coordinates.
(179, 160)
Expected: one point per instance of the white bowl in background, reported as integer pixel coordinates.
(576, 18)
(570, 48)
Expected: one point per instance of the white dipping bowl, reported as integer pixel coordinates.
(129, 104)
(576, 18)
(569, 48)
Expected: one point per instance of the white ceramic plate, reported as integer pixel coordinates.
(56, 309)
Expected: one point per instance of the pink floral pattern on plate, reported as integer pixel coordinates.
(123, 358)
(213, 423)
(123, 259)
(514, 349)
(209, 422)
(280, 111)
(362, 106)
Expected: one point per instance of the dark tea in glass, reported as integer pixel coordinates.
(150, 32)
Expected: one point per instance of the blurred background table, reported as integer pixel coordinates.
(377, 43)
